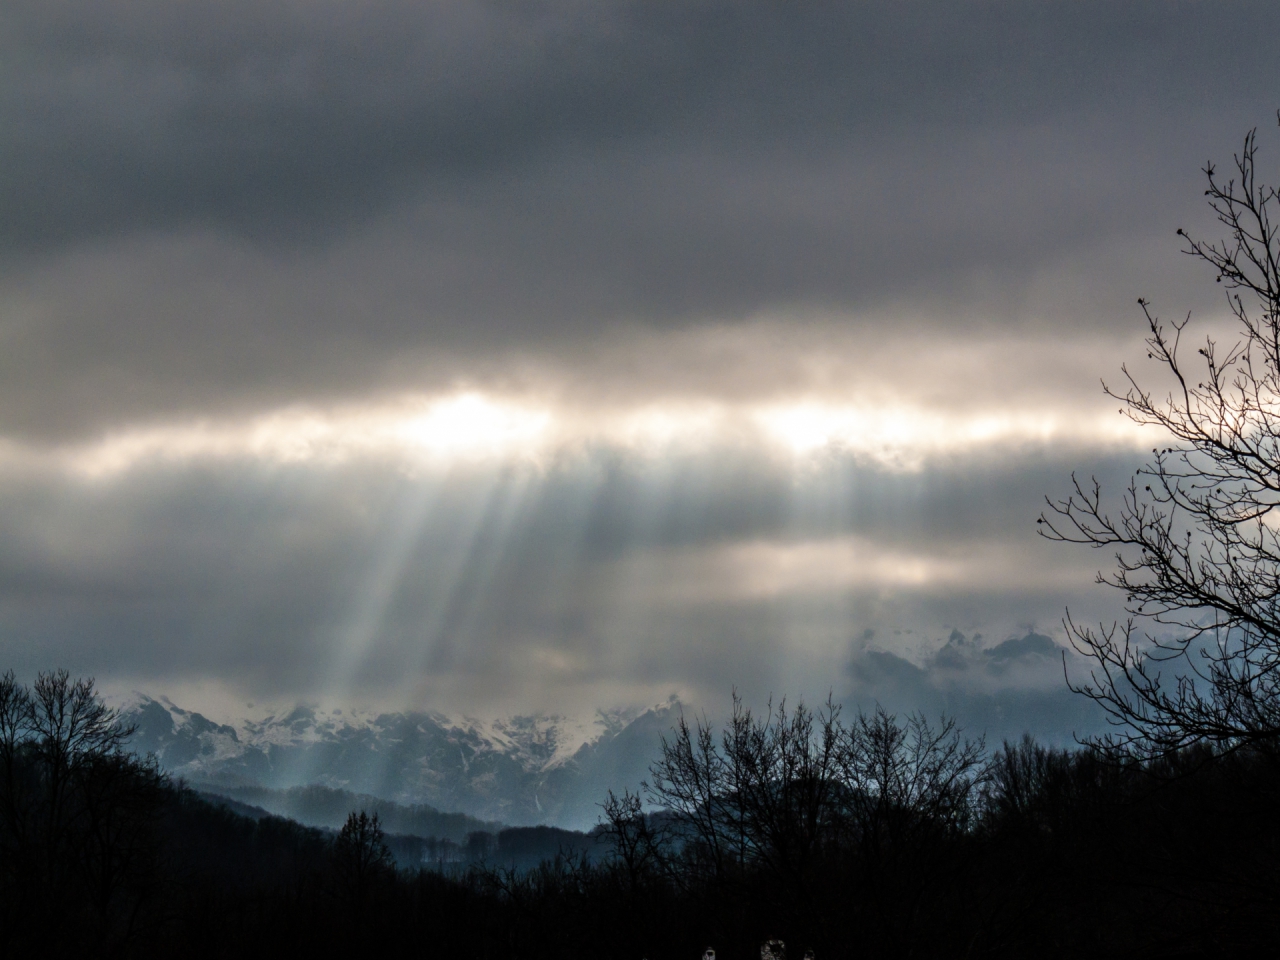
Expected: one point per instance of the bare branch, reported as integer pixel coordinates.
(1196, 535)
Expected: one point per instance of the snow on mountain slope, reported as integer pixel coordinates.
(519, 770)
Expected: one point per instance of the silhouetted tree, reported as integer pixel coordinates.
(1195, 535)
(77, 813)
(362, 860)
(628, 832)
(805, 819)
(773, 791)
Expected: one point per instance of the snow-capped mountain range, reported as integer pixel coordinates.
(517, 770)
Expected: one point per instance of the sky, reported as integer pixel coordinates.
(504, 357)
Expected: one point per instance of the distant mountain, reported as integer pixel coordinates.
(318, 806)
(417, 836)
(519, 771)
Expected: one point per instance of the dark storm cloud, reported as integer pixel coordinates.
(230, 205)
(143, 113)
(581, 123)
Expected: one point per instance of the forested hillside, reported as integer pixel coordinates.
(320, 806)
(875, 837)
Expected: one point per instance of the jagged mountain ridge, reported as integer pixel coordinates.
(520, 770)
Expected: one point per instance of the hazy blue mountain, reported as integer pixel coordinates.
(518, 771)
(319, 806)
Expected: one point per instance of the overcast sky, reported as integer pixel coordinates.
(513, 356)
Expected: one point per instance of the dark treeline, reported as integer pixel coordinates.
(497, 846)
(871, 837)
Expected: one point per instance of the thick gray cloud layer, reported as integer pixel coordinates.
(220, 209)
(147, 113)
(243, 203)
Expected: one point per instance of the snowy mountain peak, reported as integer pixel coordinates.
(541, 768)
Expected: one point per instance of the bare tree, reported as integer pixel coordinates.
(626, 828)
(362, 859)
(693, 783)
(16, 813)
(1196, 534)
(77, 810)
(70, 727)
(907, 776)
(777, 792)
(760, 795)
(786, 782)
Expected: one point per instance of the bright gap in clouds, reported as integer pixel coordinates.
(459, 427)
(901, 436)
(472, 428)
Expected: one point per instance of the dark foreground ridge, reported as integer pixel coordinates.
(872, 838)
(320, 806)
